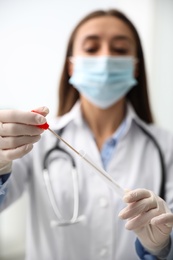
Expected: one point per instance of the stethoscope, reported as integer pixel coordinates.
(60, 220)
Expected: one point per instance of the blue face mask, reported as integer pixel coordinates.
(103, 80)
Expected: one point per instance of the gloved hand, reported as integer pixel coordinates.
(18, 133)
(149, 217)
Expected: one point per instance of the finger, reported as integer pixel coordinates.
(16, 116)
(18, 152)
(136, 195)
(165, 219)
(147, 218)
(41, 110)
(13, 129)
(14, 142)
(139, 207)
(138, 224)
(140, 220)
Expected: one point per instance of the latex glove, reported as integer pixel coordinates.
(149, 217)
(18, 133)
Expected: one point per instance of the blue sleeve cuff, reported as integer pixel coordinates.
(170, 256)
(166, 253)
(4, 178)
(142, 253)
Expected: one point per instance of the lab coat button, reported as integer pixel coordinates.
(103, 252)
(103, 202)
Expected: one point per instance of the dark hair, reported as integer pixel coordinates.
(137, 96)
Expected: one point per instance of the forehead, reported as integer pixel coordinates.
(106, 26)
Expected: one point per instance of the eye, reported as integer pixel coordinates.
(91, 50)
(121, 51)
(91, 46)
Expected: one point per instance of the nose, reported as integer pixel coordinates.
(105, 50)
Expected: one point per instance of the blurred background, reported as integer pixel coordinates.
(33, 38)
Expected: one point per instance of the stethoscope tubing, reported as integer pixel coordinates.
(161, 158)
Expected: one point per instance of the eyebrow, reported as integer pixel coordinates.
(122, 37)
(91, 37)
(97, 37)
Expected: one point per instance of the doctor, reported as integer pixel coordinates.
(104, 110)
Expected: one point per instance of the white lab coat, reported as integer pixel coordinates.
(101, 235)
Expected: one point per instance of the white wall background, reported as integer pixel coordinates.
(33, 37)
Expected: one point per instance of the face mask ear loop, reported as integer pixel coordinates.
(135, 61)
(70, 64)
(71, 59)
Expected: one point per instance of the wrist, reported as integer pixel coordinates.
(5, 168)
(144, 253)
(161, 251)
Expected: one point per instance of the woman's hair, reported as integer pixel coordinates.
(138, 96)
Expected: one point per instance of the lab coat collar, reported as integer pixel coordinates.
(75, 116)
(133, 117)
(129, 119)
(130, 116)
